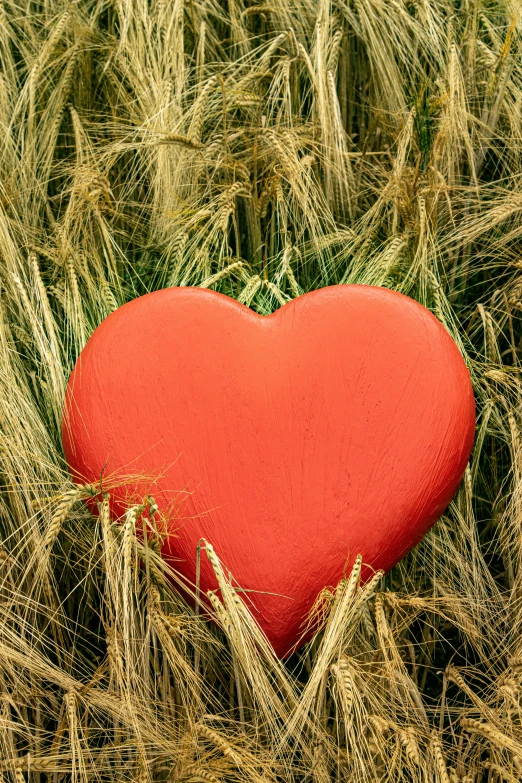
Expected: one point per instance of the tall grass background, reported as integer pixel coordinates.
(262, 150)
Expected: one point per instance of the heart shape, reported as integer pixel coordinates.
(340, 424)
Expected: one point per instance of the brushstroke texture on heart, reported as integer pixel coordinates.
(340, 424)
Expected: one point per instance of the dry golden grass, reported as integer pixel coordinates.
(261, 150)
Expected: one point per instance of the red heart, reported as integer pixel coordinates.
(339, 425)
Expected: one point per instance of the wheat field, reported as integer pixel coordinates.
(261, 150)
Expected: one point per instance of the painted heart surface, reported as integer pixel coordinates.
(341, 424)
